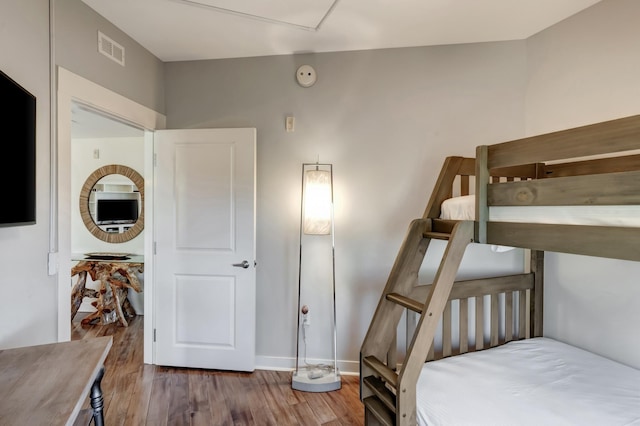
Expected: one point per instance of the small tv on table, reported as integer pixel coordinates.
(112, 211)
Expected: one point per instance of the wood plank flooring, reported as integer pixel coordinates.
(139, 394)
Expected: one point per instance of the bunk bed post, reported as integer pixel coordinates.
(536, 302)
(536, 266)
(482, 180)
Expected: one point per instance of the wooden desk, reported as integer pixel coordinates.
(48, 384)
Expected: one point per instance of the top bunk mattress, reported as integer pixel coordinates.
(463, 208)
(535, 382)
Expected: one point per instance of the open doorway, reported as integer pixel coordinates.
(76, 90)
(106, 211)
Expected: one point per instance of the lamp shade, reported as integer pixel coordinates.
(317, 202)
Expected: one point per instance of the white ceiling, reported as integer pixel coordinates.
(179, 30)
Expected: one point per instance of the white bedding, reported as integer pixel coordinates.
(535, 382)
(459, 208)
(463, 208)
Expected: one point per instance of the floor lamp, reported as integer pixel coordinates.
(316, 220)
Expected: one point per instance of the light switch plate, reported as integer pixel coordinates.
(290, 124)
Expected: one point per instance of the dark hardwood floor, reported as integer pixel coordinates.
(139, 394)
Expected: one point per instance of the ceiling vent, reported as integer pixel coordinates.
(110, 49)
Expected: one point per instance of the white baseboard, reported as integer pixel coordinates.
(289, 364)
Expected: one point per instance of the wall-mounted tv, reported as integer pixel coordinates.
(110, 211)
(18, 138)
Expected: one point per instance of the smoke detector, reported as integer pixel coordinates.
(306, 76)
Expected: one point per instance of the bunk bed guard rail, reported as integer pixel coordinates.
(591, 170)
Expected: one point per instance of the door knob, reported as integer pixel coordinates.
(244, 264)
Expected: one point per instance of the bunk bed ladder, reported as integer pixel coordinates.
(388, 394)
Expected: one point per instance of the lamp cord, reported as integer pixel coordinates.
(325, 367)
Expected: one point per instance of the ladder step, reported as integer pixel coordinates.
(437, 235)
(383, 393)
(441, 229)
(443, 225)
(387, 374)
(378, 409)
(408, 303)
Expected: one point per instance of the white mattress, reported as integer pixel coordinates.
(463, 208)
(459, 208)
(533, 382)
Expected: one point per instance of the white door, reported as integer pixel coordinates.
(204, 233)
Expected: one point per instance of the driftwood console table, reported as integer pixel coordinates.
(48, 384)
(116, 275)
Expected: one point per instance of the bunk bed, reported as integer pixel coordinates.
(524, 192)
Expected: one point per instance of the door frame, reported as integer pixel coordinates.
(72, 87)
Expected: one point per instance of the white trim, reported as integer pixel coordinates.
(53, 152)
(149, 295)
(347, 368)
(72, 87)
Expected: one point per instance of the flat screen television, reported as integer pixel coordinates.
(110, 211)
(18, 138)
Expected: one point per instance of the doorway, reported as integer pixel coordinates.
(74, 90)
(104, 210)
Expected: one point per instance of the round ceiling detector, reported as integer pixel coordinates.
(306, 76)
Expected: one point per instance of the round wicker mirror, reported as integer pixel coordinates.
(86, 197)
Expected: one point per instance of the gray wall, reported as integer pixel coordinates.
(386, 119)
(28, 306)
(76, 44)
(28, 310)
(584, 70)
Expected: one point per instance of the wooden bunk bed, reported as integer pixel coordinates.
(593, 166)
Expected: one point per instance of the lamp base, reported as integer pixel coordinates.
(315, 380)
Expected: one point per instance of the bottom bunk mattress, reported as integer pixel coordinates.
(537, 381)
